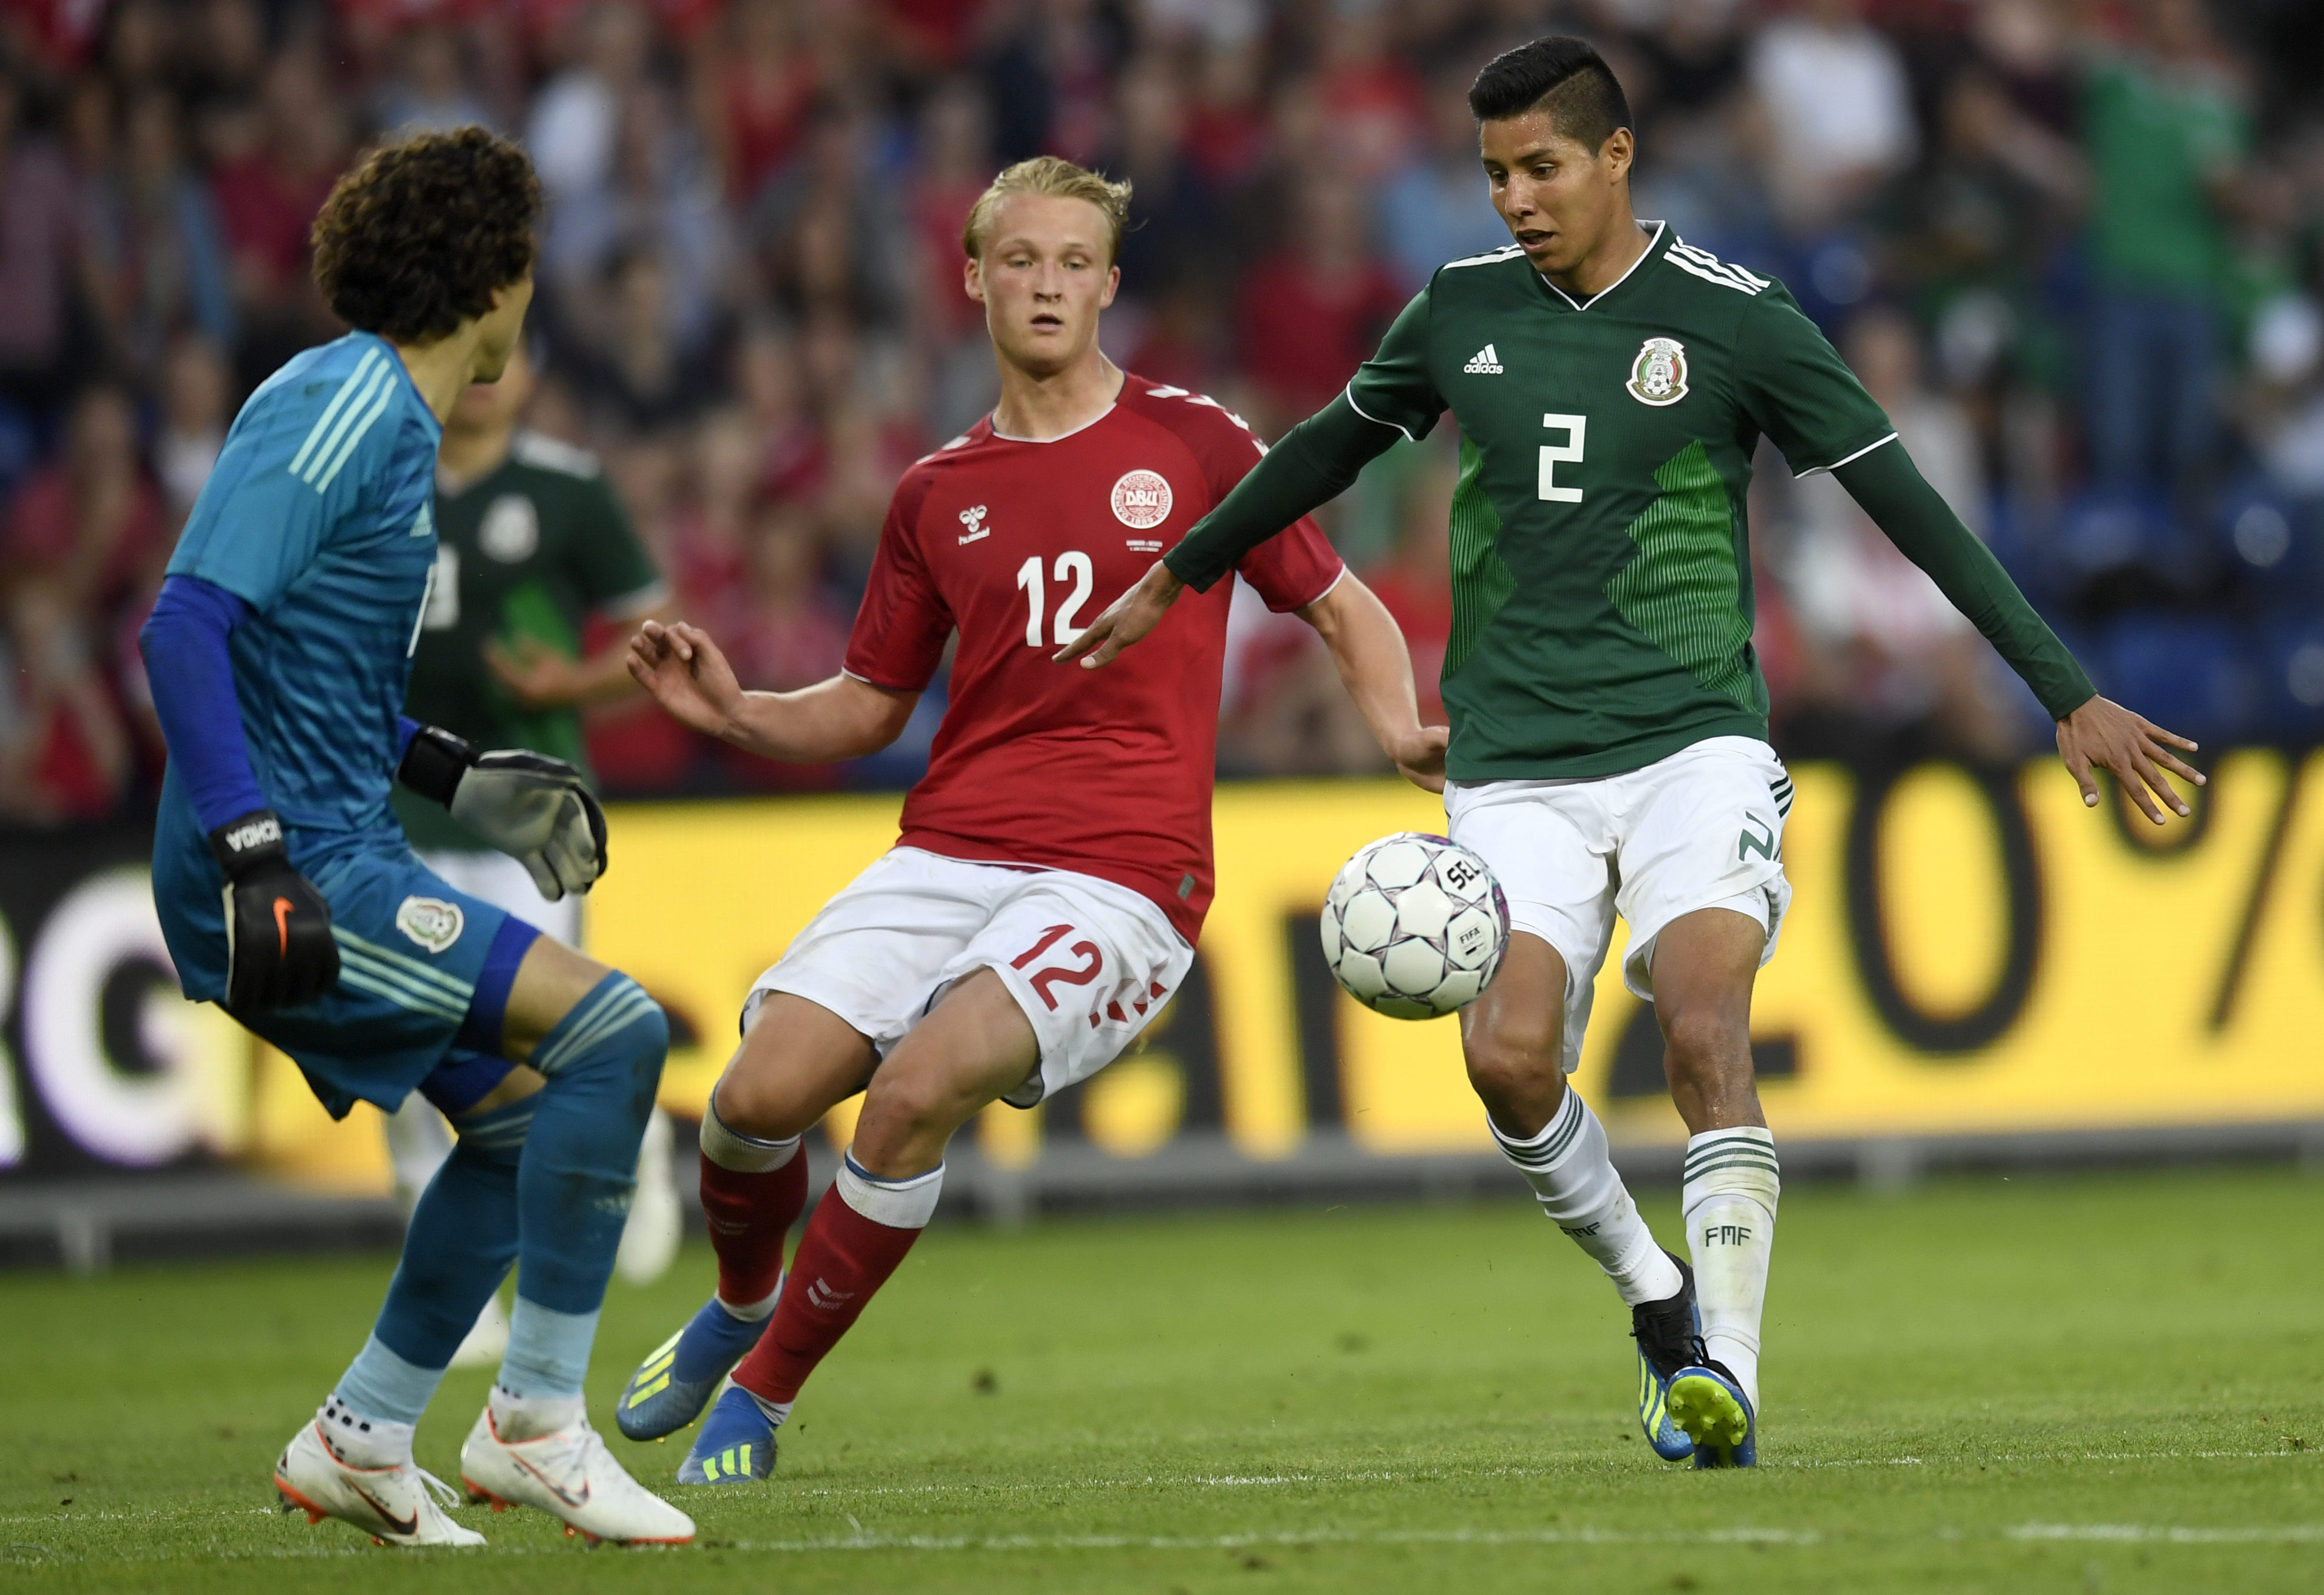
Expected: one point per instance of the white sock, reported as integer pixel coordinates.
(1732, 1186)
(1570, 1169)
(528, 1418)
(362, 1441)
(777, 1412)
(744, 1154)
(756, 1312)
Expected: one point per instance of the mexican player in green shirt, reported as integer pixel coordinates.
(530, 543)
(1609, 750)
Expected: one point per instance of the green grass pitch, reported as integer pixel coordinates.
(2094, 1383)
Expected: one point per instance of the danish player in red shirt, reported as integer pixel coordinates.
(1044, 899)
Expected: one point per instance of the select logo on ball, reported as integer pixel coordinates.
(1141, 499)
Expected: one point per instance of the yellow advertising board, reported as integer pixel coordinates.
(1964, 955)
(1967, 955)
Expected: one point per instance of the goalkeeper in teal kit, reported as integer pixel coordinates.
(279, 652)
(1608, 751)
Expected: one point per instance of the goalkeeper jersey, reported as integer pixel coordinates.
(1602, 571)
(318, 517)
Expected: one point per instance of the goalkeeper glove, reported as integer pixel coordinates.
(532, 807)
(279, 950)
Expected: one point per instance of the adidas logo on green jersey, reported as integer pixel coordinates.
(1483, 363)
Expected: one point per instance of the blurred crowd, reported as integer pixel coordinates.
(2073, 246)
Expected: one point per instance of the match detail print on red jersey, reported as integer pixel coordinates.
(1018, 545)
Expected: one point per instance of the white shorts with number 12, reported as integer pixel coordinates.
(1091, 962)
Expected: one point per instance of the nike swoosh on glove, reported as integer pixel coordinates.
(278, 949)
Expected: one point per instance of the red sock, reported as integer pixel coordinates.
(843, 1258)
(750, 1215)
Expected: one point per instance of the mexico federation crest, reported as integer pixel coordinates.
(1659, 375)
(510, 531)
(432, 922)
(1141, 499)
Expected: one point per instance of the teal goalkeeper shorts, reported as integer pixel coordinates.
(424, 978)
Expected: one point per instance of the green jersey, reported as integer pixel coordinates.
(529, 550)
(1601, 572)
(2156, 143)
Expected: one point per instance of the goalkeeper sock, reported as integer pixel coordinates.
(528, 1418)
(855, 1240)
(361, 1441)
(602, 1063)
(1572, 1173)
(456, 1251)
(1732, 1186)
(752, 1192)
(381, 1387)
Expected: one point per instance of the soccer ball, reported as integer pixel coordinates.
(1415, 926)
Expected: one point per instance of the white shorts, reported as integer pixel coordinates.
(507, 884)
(1089, 961)
(1700, 829)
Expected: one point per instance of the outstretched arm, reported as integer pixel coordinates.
(1376, 668)
(1311, 466)
(2093, 732)
(841, 718)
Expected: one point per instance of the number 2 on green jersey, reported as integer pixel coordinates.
(1553, 455)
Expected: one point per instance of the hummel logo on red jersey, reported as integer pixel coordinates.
(1483, 363)
(973, 518)
(821, 1295)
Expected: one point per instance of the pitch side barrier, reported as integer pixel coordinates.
(1975, 970)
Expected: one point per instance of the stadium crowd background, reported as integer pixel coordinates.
(2076, 249)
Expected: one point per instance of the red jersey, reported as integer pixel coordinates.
(1020, 545)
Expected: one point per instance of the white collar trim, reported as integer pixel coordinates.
(1652, 243)
(1060, 438)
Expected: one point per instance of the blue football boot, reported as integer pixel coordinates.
(736, 1445)
(676, 1382)
(1666, 1332)
(1707, 1401)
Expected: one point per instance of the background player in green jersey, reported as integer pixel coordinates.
(1608, 751)
(531, 543)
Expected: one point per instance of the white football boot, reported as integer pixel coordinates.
(569, 1473)
(395, 1506)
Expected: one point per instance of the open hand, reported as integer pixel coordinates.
(687, 674)
(1126, 620)
(2103, 735)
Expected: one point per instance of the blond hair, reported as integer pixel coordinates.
(1058, 178)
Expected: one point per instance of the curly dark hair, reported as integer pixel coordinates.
(419, 237)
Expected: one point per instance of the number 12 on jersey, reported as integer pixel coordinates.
(1072, 565)
(1569, 452)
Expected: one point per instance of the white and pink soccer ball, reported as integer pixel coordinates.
(1415, 926)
